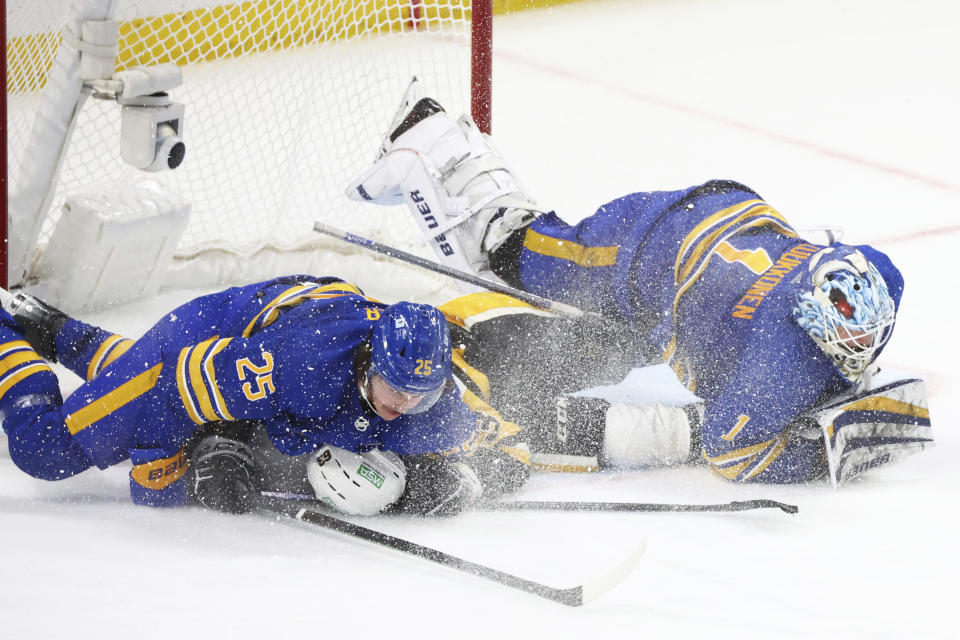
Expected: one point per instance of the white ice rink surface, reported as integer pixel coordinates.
(839, 113)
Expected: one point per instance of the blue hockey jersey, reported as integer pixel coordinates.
(282, 352)
(710, 274)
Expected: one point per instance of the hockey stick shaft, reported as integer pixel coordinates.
(490, 285)
(539, 505)
(573, 596)
(634, 506)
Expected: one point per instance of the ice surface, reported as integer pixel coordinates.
(841, 114)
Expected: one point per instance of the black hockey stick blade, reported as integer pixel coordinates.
(633, 506)
(573, 596)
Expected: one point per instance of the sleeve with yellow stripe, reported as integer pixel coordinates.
(88, 350)
(749, 433)
(30, 402)
(494, 451)
(231, 379)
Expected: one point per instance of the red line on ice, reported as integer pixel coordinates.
(736, 124)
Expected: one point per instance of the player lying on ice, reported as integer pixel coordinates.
(311, 361)
(760, 323)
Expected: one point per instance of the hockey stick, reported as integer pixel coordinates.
(538, 505)
(572, 597)
(399, 254)
(632, 506)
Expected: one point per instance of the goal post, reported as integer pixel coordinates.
(284, 101)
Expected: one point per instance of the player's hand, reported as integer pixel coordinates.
(226, 476)
(437, 487)
(499, 472)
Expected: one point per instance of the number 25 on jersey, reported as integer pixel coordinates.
(258, 377)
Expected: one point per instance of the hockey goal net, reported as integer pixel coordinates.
(285, 102)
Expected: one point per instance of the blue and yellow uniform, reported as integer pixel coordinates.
(709, 274)
(283, 352)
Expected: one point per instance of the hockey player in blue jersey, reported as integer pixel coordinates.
(758, 322)
(312, 360)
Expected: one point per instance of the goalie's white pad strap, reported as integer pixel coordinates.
(874, 428)
(648, 435)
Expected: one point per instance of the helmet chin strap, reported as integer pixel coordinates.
(365, 392)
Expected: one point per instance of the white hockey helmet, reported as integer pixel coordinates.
(361, 484)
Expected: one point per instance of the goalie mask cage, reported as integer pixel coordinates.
(285, 102)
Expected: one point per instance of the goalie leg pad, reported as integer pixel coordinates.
(576, 441)
(452, 179)
(592, 431)
(874, 428)
(651, 435)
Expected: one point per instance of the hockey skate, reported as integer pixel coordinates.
(462, 193)
(40, 322)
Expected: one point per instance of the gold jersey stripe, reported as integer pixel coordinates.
(694, 237)
(122, 347)
(14, 345)
(195, 371)
(460, 310)
(760, 215)
(17, 358)
(219, 402)
(110, 402)
(183, 388)
(295, 295)
(568, 250)
(109, 350)
(729, 473)
(270, 305)
(505, 428)
(702, 265)
(773, 454)
(738, 454)
(477, 376)
(7, 382)
(93, 368)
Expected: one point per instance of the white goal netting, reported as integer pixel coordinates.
(286, 101)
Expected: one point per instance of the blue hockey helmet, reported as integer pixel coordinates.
(845, 306)
(410, 351)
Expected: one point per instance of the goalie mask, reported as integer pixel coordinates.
(360, 484)
(846, 308)
(409, 359)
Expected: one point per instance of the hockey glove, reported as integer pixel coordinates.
(226, 476)
(40, 322)
(499, 470)
(437, 487)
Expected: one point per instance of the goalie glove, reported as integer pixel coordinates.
(226, 476)
(437, 487)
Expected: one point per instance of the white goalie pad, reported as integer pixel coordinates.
(406, 176)
(647, 436)
(874, 428)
